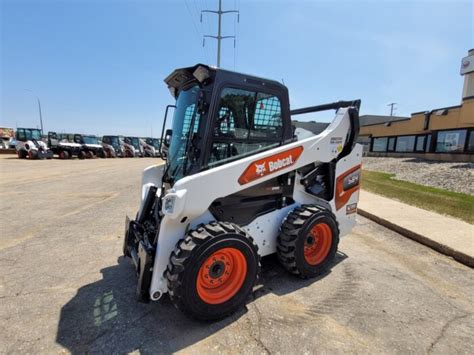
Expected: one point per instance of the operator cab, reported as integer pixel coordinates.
(133, 141)
(28, 134)
(222, 116)
(114, 141)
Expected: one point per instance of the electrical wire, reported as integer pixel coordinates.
(196, 29)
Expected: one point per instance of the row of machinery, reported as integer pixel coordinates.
(30, 144)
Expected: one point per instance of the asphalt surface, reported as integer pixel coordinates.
(64, 286)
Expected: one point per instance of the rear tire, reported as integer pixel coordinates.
(308, 241)
(81, 155)
(33, 154)
(212, 271)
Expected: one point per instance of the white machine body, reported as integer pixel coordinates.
(186, 204)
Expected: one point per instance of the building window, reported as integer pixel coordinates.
(405, 144)
(451, 141)
(391, 144)
(470, 144)
(420, 143)
(428, 143)
(379, 144)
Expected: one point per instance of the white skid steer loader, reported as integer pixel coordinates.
(239, 184)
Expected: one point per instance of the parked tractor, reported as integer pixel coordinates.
(90, 145)
(29, 144)
(238, 184)
(137, 147)
(62, 147)
(150, 147)
(112, 146)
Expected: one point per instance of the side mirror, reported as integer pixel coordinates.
(167, 140)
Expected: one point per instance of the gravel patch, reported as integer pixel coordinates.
(458, 177)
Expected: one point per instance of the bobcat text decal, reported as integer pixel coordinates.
(268, 165)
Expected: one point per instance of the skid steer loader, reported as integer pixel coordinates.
(29, 144)
(240, 183)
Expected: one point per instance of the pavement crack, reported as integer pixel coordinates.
(257, 337)
(443, 330)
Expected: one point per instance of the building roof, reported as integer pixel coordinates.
(312, 126)
(368, 120)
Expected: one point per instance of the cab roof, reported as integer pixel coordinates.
(202, 73)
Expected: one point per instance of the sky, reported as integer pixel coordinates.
(98, 66)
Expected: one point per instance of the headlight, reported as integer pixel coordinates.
(169, 204)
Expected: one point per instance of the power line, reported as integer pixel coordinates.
(219, 36)
(198, 33)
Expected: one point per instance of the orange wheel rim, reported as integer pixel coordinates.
(221, 276)
(318, 244)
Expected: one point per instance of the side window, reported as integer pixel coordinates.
(246, 122)
(20, 135)
(267, 121)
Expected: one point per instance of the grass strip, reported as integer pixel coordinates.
(446, 202)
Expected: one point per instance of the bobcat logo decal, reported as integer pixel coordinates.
(270, 164)
(260, 169)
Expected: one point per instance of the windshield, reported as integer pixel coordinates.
(91, 140)
(155, 142)
(32, 134)
(135, 142)
(184, 116)
(114, 142)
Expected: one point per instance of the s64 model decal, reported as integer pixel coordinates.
(271, 164)
(346, 184)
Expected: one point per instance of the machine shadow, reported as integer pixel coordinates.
(104, 316)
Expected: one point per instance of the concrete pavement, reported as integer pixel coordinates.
(64, 287)
(445, 234)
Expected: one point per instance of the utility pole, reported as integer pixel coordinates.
(392, 107)
(219, 36)
(39, 109)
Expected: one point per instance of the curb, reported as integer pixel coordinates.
(441, 248)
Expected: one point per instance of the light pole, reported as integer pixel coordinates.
(39, 109)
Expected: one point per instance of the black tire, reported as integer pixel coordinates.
(63, 154)
(101, 154)
(33, 154)
(186, 270)
(297, 233)
(81, 155)
(22, 154)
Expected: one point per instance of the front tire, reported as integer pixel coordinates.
(308, 241)
(212, 271)
(63, 154)
(22, 154)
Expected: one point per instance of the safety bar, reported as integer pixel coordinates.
(325, 107)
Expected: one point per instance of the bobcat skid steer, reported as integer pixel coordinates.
(239, 184)
(62, 146)
(29, 144)
(90, 145)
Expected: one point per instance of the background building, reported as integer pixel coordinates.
(445, 133)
